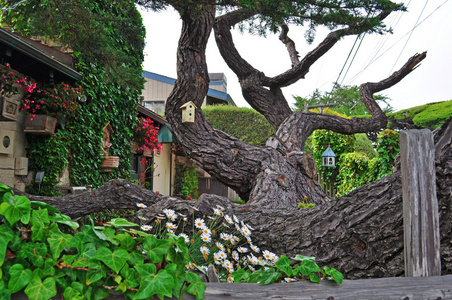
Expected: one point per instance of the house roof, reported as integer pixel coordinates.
(33, 58)
(211, 92)
(150, 114)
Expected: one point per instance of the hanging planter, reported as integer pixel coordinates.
(9, 109)
(109, 163)
(41, 124)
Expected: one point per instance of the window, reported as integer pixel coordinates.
(156, 106)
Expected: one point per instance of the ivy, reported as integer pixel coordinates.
(387, 148)
(38, 258)
(186, 181)
(107, 38)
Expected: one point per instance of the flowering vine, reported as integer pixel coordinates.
(146, 135)
(58, 101)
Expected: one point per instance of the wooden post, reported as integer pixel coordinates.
(420, 204)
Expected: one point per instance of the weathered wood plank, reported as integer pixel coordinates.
(420, 204)
(400, 288)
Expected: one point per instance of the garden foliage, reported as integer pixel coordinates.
(243, 123)
(431, 115)
(37, 257)
(107, 40)
(186, 181)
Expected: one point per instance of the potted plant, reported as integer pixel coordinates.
(45, 106)
(12, 85)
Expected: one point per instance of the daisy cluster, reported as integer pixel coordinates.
(222, 240)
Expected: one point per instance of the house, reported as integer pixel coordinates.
(158, 171)
(44, 65)
(156, 90)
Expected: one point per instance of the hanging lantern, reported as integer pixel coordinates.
(328, 158)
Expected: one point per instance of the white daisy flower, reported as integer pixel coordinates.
(267, 255)
(199, 223)
(222, 255)
(205, 238)
(217, 258)
(146, 227)
(220, 207)
(236, 220)
(235, 255)
(245, 231)
(287, 279)
(186, 238)
(255, 248)
(206, 230)
(228, 219)
(217, 211)
(204, 250)
(224, 236)
(170, 214)
(171, 226)
(141, 205)
(230, 279)
(220, 246)
(242, 249)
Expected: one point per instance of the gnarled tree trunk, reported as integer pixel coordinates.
(360, 234)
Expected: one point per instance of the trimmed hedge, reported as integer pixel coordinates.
(431, 115)
(243, 123)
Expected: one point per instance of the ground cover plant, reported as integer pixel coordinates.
(39, 258)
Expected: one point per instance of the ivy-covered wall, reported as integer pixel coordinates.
(107, 40)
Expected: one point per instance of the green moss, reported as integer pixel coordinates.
(431, 115)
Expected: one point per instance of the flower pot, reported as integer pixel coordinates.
(148, 153)
(41, 124)
(9, 109)
(109, 163)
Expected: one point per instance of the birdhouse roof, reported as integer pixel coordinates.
(187, 104)
(329, 152)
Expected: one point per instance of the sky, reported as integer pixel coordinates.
(424, 27)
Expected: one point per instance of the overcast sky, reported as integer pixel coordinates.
(377, 57)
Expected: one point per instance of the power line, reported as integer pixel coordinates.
(368, 65)
(400, 54)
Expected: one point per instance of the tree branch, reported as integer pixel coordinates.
(300, 125)
(290, 45)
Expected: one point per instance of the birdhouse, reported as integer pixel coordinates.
(328, 158)
(188, 112)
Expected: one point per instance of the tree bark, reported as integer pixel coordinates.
(360, 234)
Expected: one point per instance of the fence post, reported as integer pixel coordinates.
(420, 204)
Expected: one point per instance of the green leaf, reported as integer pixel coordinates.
(127, 242)
(302, 258)
(39, 218)
(63, 219)
(39, 290)
(19, 278)
(43, 205)
(58, 243)
(307, 267)
(6, 235)
(237, 275)
(160, 284)
(120, 222)
(284, 265)
(12, 214)
(156, 248)
(115, 260)
(314, 278)
(269, 276)
(197, 289)
(335, 274)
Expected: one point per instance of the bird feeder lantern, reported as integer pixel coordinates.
(328, 158)
(188, 112)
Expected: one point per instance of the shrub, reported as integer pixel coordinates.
(243, 123)
(186, 181)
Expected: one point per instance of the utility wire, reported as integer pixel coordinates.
(360, 72)
(415, 25)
